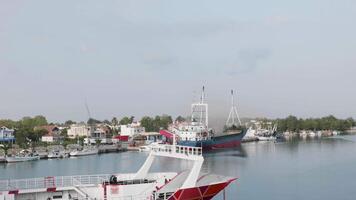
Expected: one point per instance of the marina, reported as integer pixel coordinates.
(313, 165)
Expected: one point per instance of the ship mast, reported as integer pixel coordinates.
(200, 110)
(233, 115)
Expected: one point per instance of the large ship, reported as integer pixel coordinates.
(198, 134)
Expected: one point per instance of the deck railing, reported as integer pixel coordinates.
(52, 182)
(176, 149)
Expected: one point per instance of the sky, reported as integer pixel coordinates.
(131, 57)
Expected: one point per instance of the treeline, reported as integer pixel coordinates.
(157, 123)
(292, 123)
(24, 129)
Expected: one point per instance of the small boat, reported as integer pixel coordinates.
(42, 154)
(187, 184)
(22, 158)
(311, 134)
(264, 138)
(56, 154)
(147, 148)
(85, 152)
(2, 159)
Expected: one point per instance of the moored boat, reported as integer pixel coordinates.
(56, 154)
(22, 158)
(198, 134)
(85, 152)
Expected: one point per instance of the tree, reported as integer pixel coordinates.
(5, 147)
(92, 121)
(69, 122)
(106, 121)
(157, 123)
(147, 122)
(180, 119)
(64, 133)
(114, 121)
(126, 120)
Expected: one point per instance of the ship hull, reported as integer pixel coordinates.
(21, 159)
(223, 141)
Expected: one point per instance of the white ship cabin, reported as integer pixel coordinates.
(192, 132)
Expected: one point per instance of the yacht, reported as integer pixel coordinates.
(85, 152)
(22, 157)
(56, 154)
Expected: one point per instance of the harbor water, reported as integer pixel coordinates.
(315, 169)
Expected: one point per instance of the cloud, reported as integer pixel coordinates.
(158, 61)
(277, 19)
(247, 60)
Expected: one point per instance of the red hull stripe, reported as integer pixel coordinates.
(53, 189)
(226, 145)
(14, 192)
(206, 192)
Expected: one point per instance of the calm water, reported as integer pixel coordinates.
(313, 170)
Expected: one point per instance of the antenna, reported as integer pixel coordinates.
(199, 112)
(233, 115)
(91, 125)
(87, 107)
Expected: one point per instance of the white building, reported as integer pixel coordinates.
(132, 129)
(78, 130)
(6, 135)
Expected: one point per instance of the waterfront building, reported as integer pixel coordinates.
(132, 130)
(102, 133)
(53, 133)
(78, 130)
(6, 135)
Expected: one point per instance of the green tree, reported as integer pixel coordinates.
(92, 121)
(180, 119)
(5, 147)
(69, 122)
(147, 122)
(126, 120)
(106, 121)
(114, 121)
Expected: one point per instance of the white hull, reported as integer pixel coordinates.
(266, 138)
(21, 159)
(54, 155)
(85, 152)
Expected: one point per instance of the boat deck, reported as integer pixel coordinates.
(52, 182)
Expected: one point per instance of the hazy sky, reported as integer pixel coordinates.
(151, 57)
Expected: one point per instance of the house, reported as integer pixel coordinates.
(53, 133)
(101, 133)
(78, 130)
(132, 130)
(6, 134)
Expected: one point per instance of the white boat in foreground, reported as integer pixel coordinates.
(84, 152)
(184, 185)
